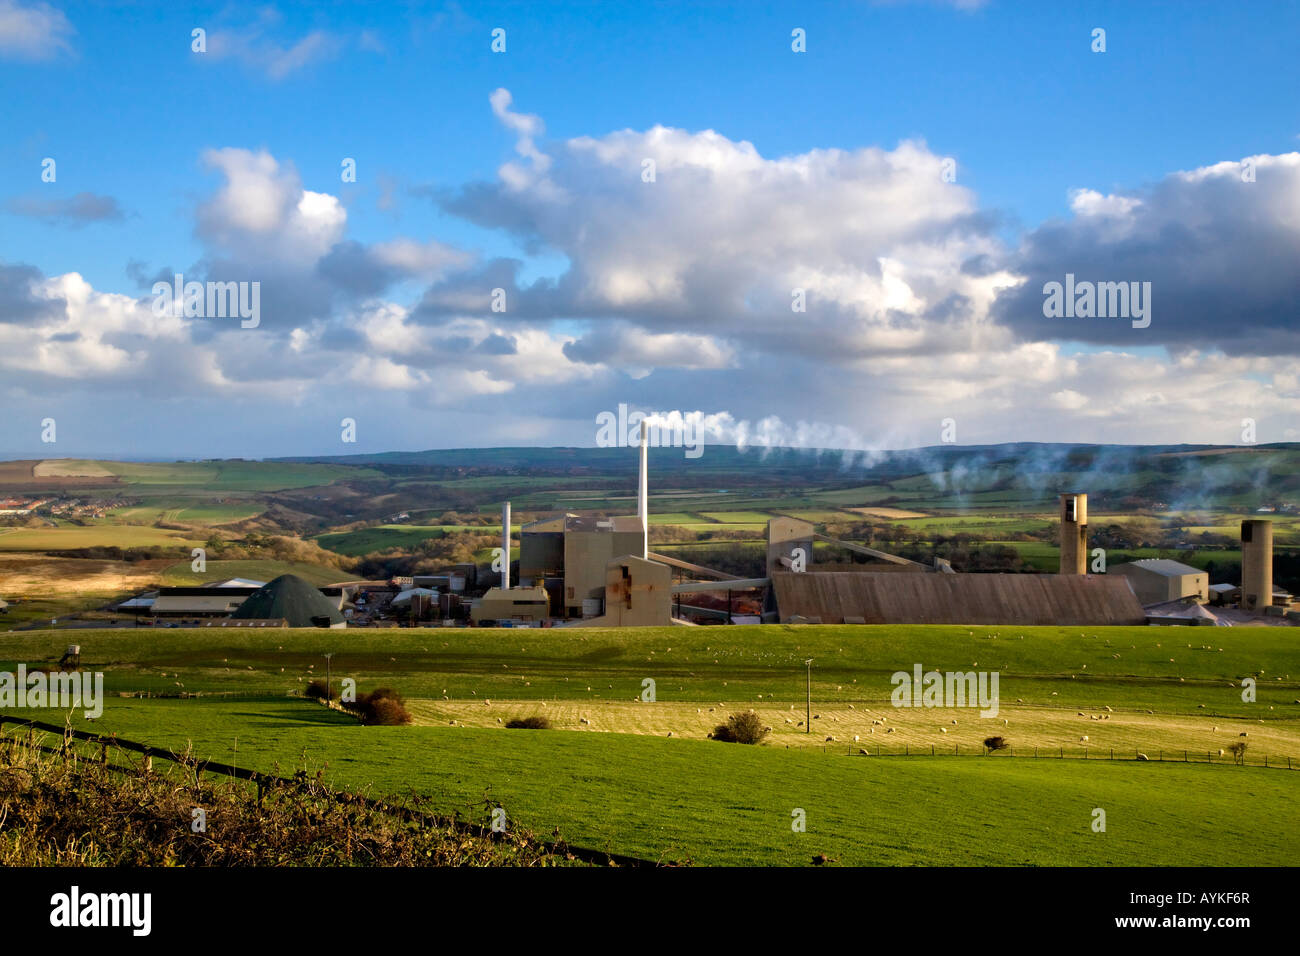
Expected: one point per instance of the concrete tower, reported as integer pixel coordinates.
(1074, 534)
(505, 546)
(1256, 564)
(643, 494)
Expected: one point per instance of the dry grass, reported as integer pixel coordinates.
(57, 811)
(1026, 727)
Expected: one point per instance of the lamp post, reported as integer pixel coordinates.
(807, 722)
(328, 696)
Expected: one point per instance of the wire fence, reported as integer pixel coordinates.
(1222, 758)
(264, 782)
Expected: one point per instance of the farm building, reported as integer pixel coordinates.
(1157, 580)
(293, 599)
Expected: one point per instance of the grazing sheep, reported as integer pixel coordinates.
(890, 730)
(865, 753)
(1083, 739)
(829, 739)
(1143, 756)
(943, 730)
(856, 738)
(1220, 751)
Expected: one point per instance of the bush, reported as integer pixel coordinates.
(530, 723)
(995, 743)
(382, 707)
(743, 728)
(316, 690)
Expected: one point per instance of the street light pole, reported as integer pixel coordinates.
(807, 723)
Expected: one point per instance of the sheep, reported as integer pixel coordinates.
(583, 720)
(1142, 756)
(943, 730)
(1220, 751)
(1083, 739)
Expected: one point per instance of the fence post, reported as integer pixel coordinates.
(1265, 760)
(148, 762)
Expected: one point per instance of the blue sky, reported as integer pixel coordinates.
(1013, 92)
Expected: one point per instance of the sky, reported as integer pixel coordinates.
(823, 225)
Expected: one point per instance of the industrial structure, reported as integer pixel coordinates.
(1157, 580)
(1256, 564)
(1074, 534)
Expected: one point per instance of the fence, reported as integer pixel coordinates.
(1269, 761)
(266, 782)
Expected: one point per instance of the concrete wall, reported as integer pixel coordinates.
(586, 556)
(783, 536)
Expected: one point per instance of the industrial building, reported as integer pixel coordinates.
(1157, 580)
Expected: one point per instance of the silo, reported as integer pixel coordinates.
(1074, 534)
(1256, 564)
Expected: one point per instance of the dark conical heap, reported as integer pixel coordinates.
(291, 598)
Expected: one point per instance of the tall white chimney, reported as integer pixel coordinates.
(505, 546)
(643, 495)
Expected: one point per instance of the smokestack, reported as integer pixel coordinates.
(1074, 534)
(505, 546)
(1256, 565)
(643, 495)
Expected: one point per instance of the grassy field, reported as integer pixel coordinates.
(68, 537)
(723, 804)
(180, 574)
(619, 782)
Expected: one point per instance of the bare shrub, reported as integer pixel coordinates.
(743, 728)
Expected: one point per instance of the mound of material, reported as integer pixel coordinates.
(291, 598)
(879, 598)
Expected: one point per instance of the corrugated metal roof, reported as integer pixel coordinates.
(882, 598)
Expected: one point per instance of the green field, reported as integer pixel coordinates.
(68, 537)
(721, 804)
(181, 574)
(617, 781)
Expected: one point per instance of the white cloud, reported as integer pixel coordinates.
(35, 31)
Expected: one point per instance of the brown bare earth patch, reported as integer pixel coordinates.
(16, 475)
(880, 512)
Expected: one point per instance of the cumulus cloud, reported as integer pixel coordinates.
(1222, 254)
(914, 310)
(831, 253)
